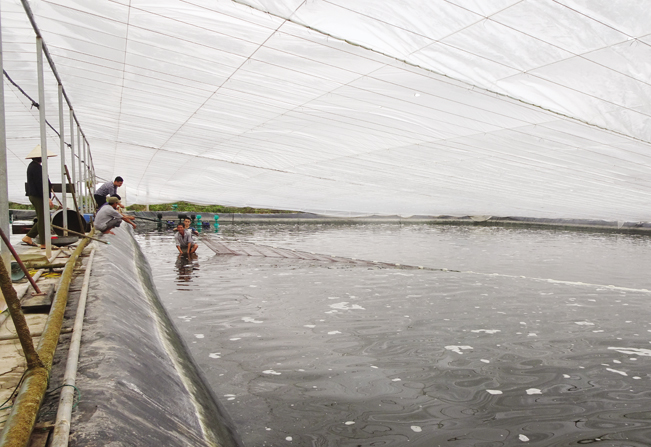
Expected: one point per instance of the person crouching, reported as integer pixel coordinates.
(108, 217)
(184, 242)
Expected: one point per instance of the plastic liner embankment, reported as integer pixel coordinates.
(139, 385)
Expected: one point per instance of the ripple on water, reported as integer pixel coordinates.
(429, 351)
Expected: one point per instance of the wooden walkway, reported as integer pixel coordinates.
(238, 248)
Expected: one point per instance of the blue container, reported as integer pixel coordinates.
(88, 217)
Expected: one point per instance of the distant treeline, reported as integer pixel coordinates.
(185, 206)
(181, 206)
(19, 206)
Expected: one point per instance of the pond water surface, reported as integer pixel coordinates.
(538, 337)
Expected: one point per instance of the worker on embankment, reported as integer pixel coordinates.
(34, 191)
(108, 189)
(108, 217)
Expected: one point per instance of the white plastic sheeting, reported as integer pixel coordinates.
(532, 108)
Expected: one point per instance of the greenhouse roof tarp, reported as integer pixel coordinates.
(533, 108)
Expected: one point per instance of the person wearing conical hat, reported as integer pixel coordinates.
(34, 191)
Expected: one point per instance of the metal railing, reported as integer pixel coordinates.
(82, 173)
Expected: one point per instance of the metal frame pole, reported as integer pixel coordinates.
(72, 148)
(5, 254)
(64, 183)
(80, 191)
(41, 110)
(91, 183)
(75, 164)
(86, 190)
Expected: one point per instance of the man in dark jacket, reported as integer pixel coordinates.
(34, 190)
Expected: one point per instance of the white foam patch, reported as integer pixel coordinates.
(493, 391)
(485, 361)
(250, 320)
(199, 335)
(333, 332)
(534, 391)
(616, 371)
(633, 351)
(488, 331)
(235, 339)
(215, 355)
(396, 380)
(272, 372)
(457, 349)
(349, 422)
(288, 438)
(567, 376)
(310, 325)
(416, 428)
(523, 438)
(532, 334)
(584, 323)
(345, 306)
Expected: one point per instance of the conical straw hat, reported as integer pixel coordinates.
(36, 153)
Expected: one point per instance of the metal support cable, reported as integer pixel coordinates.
(34, 103)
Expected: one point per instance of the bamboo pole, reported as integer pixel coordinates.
(20, 263)
(20, 423)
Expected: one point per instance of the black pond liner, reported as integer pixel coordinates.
(140, 387)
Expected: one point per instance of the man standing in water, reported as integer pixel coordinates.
(108, 189)
(184, 242)
(34, 190)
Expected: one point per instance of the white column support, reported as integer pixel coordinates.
(78, 163)
(41, 110)
(5, 254)
(72, 150)
(86, 188)
(80, 190)
(62, 140)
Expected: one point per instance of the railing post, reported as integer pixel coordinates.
(87, 189)
(4, 182)
(72, 148)
(63, 161)
(41, 110)
(75, 165)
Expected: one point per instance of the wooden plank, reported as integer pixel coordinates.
(259, 250)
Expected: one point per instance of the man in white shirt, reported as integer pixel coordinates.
(108, 217)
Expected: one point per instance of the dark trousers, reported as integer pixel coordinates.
(39, 227)
(100, 200)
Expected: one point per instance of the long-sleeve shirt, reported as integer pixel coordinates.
(107, 217)
(34, 185)
(107, 189)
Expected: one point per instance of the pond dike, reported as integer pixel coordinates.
(139, 386)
